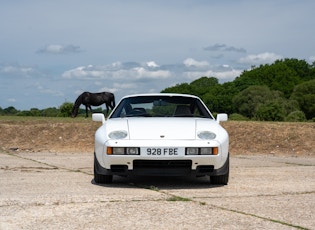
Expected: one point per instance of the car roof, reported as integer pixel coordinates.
(160, 94)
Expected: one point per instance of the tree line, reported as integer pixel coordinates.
(63, 111)
(281, 91)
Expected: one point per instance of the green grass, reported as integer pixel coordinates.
(27, 119)
(178, 198)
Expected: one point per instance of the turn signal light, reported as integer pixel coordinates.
(109, 150)
(202, 151)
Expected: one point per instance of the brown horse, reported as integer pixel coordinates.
(93, 99)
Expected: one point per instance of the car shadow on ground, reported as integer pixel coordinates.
(160, 182)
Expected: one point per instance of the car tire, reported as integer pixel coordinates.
(100, 178)
(221, 179)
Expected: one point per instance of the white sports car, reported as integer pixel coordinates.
(161, 135)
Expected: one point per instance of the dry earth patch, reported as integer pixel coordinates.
(77, 135)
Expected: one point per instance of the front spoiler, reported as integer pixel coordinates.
(122, 170)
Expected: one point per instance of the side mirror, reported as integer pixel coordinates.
(222, 117)
(98, 117)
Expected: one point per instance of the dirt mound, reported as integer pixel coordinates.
(53, 135)
(277, 138)
(77, 135)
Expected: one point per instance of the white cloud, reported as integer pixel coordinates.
(263, 58)
(16, 69)
(116, 64)
(107, 89)
(84, 73)
(222, 76)
(129, 78)
(192, 62)
(152, 64)
(228, 75)
(119, 72)
(312, 59)
(142, 73)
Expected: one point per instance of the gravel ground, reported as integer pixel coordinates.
(56, 191)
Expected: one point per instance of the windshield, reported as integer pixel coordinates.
(161, 106)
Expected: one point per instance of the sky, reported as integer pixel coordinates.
(52, 51)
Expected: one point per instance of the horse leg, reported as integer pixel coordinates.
(86, 111)
(90, 109)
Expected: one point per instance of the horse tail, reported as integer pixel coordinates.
(75, 108)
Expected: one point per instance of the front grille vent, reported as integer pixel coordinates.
(162, 164)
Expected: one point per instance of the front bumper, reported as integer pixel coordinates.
(165, 167)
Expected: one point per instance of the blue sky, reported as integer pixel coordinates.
(51, 51)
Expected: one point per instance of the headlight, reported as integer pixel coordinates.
(117, 134)
(132, 151)
(205, 151)
(202, 151)
(123, 151)
(192, 151)
(206, 135)
(118, 151)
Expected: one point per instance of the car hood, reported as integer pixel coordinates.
(166, 128)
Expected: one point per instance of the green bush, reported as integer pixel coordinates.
(237, 117)
(65, 109)
(296, 116)
(305, 95)
(271, 111)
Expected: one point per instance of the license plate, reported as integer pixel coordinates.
(162, 151)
